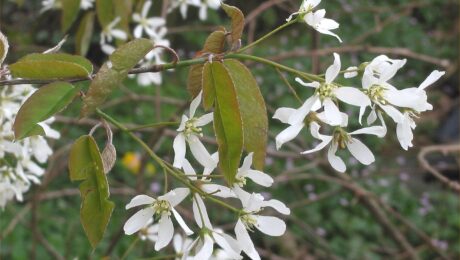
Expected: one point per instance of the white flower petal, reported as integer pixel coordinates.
(360, 151)
(206, 251)
(138, 221)
(335, 161)
(277, 205)
(432, 78)
(352, 96)
(332, 112)
(247, 162)
(180, 149)
(176, 196)
(260, 178)
(245, 242)
(313, 84)
(194, 104)
(165, 232)
(269, 225)
(283, 114)
(140, 200)
(200, 153)
(200, 213)
(333, 70)
(204, 119)
(181, 222)
(288, 134)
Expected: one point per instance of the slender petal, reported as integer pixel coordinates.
(277, 205)
(260, 178)
(335, 161)
(200, 153)
(333, 70)
(205, 251)
(245, 241)
(271, 226)
(432, 78)
(194, 104)
(180, 149)
(352, 96)
(204, 119)
(165, 232)
(181, 222)
(138, 221)
(332, 112)
(176, 196)
(200, 213)
(360, 151)
(140, 200)
(283, 114)
(288, 134)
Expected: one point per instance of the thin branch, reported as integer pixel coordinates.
(426, 165)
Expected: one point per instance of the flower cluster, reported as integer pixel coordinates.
(322, 108)
(19, 160)
(251, 215)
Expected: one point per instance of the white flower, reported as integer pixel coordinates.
(211, 235)
(149, 25)
(189, 132)
(162, 207)
(342, 139)
(86, 4)
(316, 18)
(258, 177)
(109, 33)
(325, 96)
(183, 6)
(250, 219)
(413, 98)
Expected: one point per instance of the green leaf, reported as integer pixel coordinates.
(209, 92)
(45, 102)
(51, 66)
(227, 122)
(237, 22)
(215, 42)
(253, 110)
(70, 9)
(85, 163)
(105, 12)
(112, 73)
(3, 47)
(194, 80)
(129, 54)
(84, 33)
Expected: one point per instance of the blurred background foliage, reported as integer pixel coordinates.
(333, 216)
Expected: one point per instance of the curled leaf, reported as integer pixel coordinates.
(85, 163)
(237, 22)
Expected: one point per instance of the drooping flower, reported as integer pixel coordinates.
(341, 139)
(162, 208)
(316, 19)
(149, 25)
(209, 235)
(251, 218)
(189, 133)
(245, 171)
